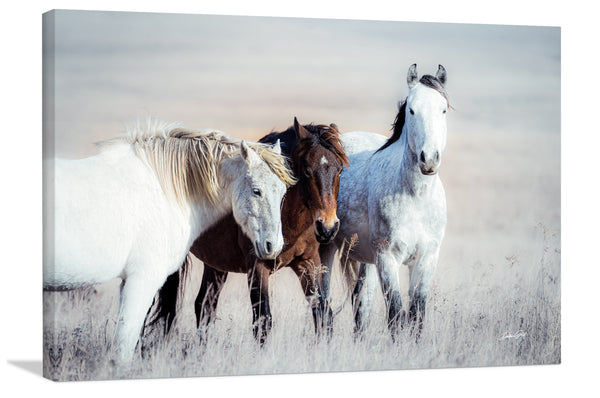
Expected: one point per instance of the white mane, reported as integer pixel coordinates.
(186, 161)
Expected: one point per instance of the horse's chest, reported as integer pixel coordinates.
(304, 244)
(408, 220)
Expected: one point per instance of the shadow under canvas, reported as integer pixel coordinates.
(33, 366)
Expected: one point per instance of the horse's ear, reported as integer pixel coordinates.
(244, 149)
(277, 147)
(413, 77)
(248, 154)
(441, 75)
(301, 132)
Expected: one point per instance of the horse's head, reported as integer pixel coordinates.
(319, 158)
(425, 114)
(257, 193)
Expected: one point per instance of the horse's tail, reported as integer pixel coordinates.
(349, 269)
(166, 299)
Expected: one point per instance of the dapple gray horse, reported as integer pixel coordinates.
(392, 205)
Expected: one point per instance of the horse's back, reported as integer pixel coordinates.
(361, 141)
(100, 204)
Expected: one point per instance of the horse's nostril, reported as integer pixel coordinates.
(437, 156)
(268, 246)
(320, 227)
(422, 157)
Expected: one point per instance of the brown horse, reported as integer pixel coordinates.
(308, 218)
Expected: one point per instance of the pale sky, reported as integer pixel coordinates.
(250, 75)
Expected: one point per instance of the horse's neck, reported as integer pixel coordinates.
(298, 217)
(407, 172)
(209, 214)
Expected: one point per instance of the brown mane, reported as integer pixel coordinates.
(326, 136)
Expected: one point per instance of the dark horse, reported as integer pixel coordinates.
(308, 219)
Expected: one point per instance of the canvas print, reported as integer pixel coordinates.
(231, 195)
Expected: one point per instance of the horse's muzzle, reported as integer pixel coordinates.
(429, 165)
(428, 171)
(323, 234)
(265, 250)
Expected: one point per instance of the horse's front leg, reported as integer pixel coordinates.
(388, 264)
(327, 256)
(137, 293)
(258, 282)
(362, 297)
(315, 280)
(421, 274)
(322, 313)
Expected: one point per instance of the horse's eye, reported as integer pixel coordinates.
(444, 111)
(256, 191)
(411, 111)
(308, 171)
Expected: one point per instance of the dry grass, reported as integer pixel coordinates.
(493, 314)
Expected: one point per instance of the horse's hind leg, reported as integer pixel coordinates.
(206, 301)
(258, 283)
(362, 297)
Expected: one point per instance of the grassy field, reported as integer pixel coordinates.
(493, 314)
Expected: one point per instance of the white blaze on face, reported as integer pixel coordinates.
(324, 160)
(426, 120)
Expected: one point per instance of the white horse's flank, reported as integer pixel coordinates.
(133, 211)
(393, 201)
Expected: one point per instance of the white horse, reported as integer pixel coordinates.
(392, 205)
(133, 211)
